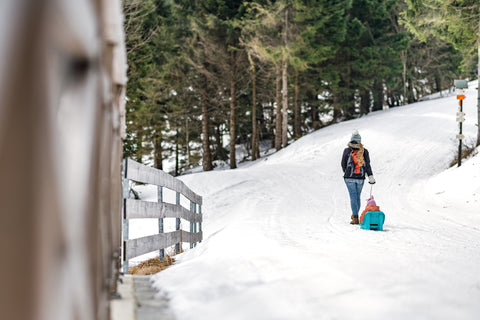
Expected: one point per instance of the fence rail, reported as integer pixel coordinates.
(144, 174)
(138, 209)
(139, 246)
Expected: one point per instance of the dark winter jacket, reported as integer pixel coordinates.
(350, 169)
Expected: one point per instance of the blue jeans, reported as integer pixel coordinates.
(354, 187)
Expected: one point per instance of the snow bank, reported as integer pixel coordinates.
(278, 243)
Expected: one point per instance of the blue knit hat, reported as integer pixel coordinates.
(356, 136)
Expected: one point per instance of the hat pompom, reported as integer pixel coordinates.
(371, 201)
(356, 136)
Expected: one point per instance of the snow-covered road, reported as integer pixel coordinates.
(278, 243)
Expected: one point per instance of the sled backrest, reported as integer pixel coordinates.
(373, 220)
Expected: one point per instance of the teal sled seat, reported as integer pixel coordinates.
(373, 220)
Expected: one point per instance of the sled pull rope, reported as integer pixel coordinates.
(371, 187)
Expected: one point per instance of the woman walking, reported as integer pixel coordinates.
(355, 164)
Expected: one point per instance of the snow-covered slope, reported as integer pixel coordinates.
(278, 243)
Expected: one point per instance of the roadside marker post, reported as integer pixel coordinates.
(461, 87)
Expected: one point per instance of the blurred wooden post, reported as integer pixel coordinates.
(62, 90)
(125, 223)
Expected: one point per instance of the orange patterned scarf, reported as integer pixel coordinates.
(357, 156)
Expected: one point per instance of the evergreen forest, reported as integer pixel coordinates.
(207, 78)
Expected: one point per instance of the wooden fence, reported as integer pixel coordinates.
(138, 209)
(62, 94)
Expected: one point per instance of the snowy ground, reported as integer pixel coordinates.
(278, 243)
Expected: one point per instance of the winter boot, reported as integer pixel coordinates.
(354, 220)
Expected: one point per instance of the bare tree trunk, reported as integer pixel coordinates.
(233, 161)
(403, 56)
(255, 147)
(284, 105)
(285, 88)
(207, 155)
(177, 154)
(278, 118)
(187, 143)
(410, 93)
(364, 101)
(336, 105)
(377, 95)
(478, 89)
(139, 146)
(297, 122)
(157, 144)
(271, 126)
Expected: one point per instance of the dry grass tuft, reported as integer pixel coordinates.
(152, 266)
(468, 150)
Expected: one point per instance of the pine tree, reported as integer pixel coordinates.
(200, 71)
(139, 31)
(214, 25)
(261, 36)
(271, 33)
(323, 33)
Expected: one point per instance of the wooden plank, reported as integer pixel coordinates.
(139, 246)
(144, 174)
(192, 237)
(137, 209)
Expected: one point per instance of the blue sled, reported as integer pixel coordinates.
(373, 220)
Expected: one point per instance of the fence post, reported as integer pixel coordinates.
(125, 224)
(200, 224)
(195, 223)
(177, 246)
(160, 221)
(192, 204)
